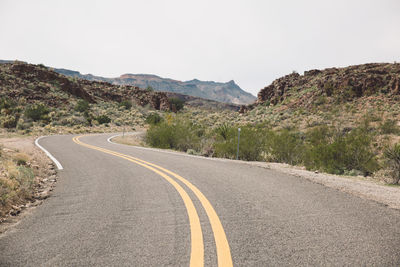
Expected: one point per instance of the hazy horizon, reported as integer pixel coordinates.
(252, 42)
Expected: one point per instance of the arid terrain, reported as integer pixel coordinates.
(335, 127)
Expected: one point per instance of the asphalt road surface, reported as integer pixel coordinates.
(116, 205)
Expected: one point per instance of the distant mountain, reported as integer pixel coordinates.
(228, 92)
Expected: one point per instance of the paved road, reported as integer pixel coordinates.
(109, 210)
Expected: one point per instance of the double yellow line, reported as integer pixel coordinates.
(197, 244)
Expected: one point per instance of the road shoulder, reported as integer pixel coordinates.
(363, 187)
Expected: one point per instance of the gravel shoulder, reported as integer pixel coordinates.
(363, 187)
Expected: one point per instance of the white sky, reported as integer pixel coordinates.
(249, 41)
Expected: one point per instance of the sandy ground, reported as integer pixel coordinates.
(133, 140)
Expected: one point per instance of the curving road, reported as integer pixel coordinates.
(116, 205)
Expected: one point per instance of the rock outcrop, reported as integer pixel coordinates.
(35, 73)
(342, 83)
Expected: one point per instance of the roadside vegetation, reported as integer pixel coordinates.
(21, 177)
(77, 117)
(351, 131)
(360, 150)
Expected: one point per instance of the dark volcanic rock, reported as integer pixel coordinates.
(345, 83)
(42, 74)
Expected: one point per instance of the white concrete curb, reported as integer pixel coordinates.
(58, 164)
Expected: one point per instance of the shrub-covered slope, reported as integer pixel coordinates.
(36, 82)
(35, 96)
(338, 84)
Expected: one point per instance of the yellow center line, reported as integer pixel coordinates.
(223, 251)
(197, 246)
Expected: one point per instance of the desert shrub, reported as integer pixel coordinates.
(126, 104)
(191, 152)
(23, 125)
(21, 158)
(102, 119)
(82, 106)
(251, 143)
(392, 161)
(37, 112)
(72, 121)
(6, 190)
(25, 179)
(389, 127)
(19, 183)
(329, 88)
(149, 89)
(9, 121)
(180, 134)
(223, 130)
(153, 119)
(176, 103)
(161, 135)
(284, 146)
(335, 152)
(6, 103)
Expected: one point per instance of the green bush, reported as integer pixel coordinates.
(223, 130)
(37, 112)
(176, 103)
(102, 119)
(335, 152)
(284, 146)
(179, 134)
(153, 119)
(82, 106)
(389, 127)
(392, 161)
(251, 142)
(126, 104)
(9, 121)
(6, 103)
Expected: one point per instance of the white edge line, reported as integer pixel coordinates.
(58, 164)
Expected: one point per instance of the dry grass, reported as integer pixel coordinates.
(132, 140)
(22, 167)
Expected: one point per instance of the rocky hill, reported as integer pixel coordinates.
(228, 92)
(35, 99)
(342, 83)
(38, 83)
(202, 103)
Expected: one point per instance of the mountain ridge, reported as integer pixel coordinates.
(228, 92)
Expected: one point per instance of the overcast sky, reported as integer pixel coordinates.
(249, 41)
